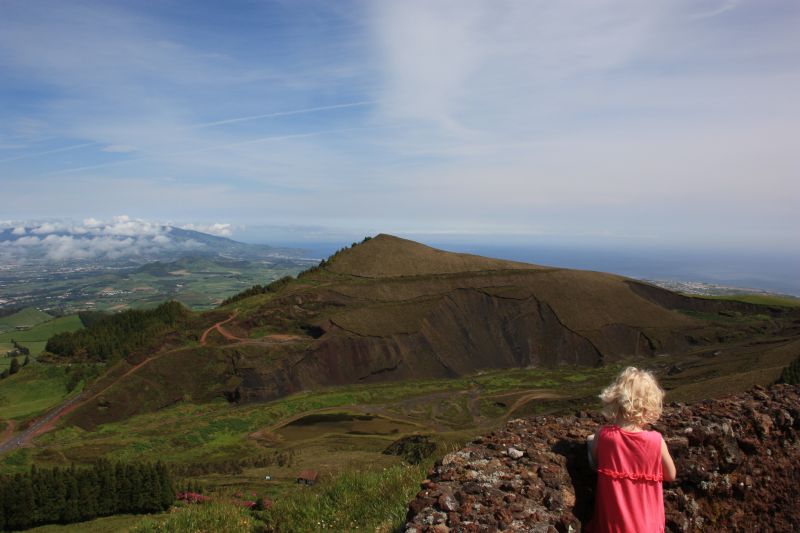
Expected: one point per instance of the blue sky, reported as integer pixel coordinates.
(620, 122)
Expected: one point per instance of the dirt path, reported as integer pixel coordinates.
(45, 422)
(539, 395)
(48, 421)
(218, 327)
(276, 338)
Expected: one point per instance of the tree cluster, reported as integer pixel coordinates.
(791, 374)
(116, 336)
(23, 350)
(12, 369)
(46, 496)
(275, 286)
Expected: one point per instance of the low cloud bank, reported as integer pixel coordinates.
(117, 238)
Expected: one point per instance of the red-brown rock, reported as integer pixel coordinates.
(738, 461)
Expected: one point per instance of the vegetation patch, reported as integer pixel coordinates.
(791, 374)
(217, 517)
(350, 501)
(34, 390)
(117, 336)
(43, 496)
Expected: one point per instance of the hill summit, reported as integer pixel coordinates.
(390, 309)
(386, 256)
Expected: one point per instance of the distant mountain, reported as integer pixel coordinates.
(391, 309)
(139, 243)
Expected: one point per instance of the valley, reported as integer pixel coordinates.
(197, 282)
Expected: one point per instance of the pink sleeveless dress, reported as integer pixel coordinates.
(629, 497)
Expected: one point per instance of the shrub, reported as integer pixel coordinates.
(791, 374)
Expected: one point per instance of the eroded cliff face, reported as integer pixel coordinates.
(738, 461)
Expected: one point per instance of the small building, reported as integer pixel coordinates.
(307, 477)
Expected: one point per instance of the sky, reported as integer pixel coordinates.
(661, 123)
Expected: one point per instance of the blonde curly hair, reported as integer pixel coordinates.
(634, 397)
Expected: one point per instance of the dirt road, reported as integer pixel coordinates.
(41, 425)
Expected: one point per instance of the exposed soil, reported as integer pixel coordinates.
(218, 327)
(276, 338)
(738, 462)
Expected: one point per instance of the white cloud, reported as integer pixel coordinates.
(218, 229)
(116, 238)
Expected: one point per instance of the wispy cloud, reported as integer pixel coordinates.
(719, 9)
(50, 152)
(537, 117)
(283, 114)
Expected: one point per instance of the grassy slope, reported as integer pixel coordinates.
(25, 317)
(388, 256)
(108, 524)
(761, 299)
(217, 431)
(36, 387)
(33, 390)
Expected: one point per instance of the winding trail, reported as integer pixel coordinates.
(9, 442)
(218, 327)
(41, 425)
(538, 395)
(275, 338)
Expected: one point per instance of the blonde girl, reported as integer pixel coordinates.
(631, 461)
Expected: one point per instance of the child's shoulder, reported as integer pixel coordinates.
(614, 428)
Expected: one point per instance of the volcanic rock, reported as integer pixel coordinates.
(738, 461)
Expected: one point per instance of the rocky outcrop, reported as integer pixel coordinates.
(738, 461)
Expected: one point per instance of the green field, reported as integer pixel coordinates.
(197, 283)
(25, 317)
(32, 391)
(35, 338)
(36, 387)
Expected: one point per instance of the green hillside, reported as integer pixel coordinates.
(390, 310)
(32, 391)
(25, 317)
(326, 371)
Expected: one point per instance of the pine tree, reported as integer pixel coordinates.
(3, 496)
(167, 496)
(20, 503)
(71, 512)
(107, 486)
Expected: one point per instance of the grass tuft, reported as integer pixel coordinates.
(214, 517)
(352, 501)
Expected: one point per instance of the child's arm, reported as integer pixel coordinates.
(591, 448)
(668, 465)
